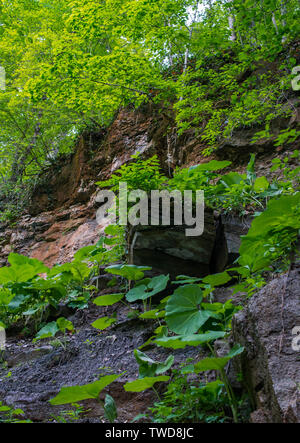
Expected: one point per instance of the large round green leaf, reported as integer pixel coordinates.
(22, 269)
(64, 324)
(183, 312)
(217, 279)
(47, 331)
(103, 323)
(181, 341)
(217, 363)
(149, 367)
(144, 291)
(74, 394)
(131, 272)
(108, 300)
(144, 383)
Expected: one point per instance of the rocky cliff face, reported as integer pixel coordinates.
(270, 363)
(62, 218)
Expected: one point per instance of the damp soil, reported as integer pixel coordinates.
(34, 373)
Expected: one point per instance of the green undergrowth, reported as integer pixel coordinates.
(188, 317)
(229, 192)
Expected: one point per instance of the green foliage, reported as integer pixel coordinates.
(145, 289)
(214, 363)
(70, 416)
(108, 300)
(183, 315)
(181, 341)
(103, 323)
(139, 174)
(29, 288)
(110, 409)
(270, 243)
(130, 272)
(291, 175)
(75, 394)
(51, 329)
(9, 414)
(149, 367)
(64, 325)
(75, 64)
(234, 192)
(272, 233)
(21, 270)
(231, 192)
(186, 313)
(197, 177)
(217, 279)
(70, 67)
(145, 383)
(191, 402)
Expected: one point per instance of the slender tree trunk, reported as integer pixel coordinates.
(274, 22)
(231, 23)
(283, 13)
(170, 49)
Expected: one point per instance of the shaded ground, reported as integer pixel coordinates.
(39, 371)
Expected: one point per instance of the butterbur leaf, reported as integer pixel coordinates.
(210, 364)
(141, 357)
(32, 311)
(145, 291)
(17, 301)
(143, 384)
(20, 274)
(149, 367)
(49, 284)
(74, 394)
(131, 272)
(6, 296)
(139, 417)
(164, 367)
(108, 300)
(181, 341)
(22, 269)
(103, 323)
(233, 178)
(217, 279)
(84, 252)
(214, 363)
(235, 350)
(183, 313)
(161, 331)
(261, 184)
(21, 260)
(153, 314)
(64, 324)
(185, 279)
(78, 270)
(251, 168)
(50, 330)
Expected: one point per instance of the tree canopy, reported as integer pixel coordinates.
(72, 64)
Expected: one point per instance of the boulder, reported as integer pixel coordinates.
(167, 249)
(270, 363)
